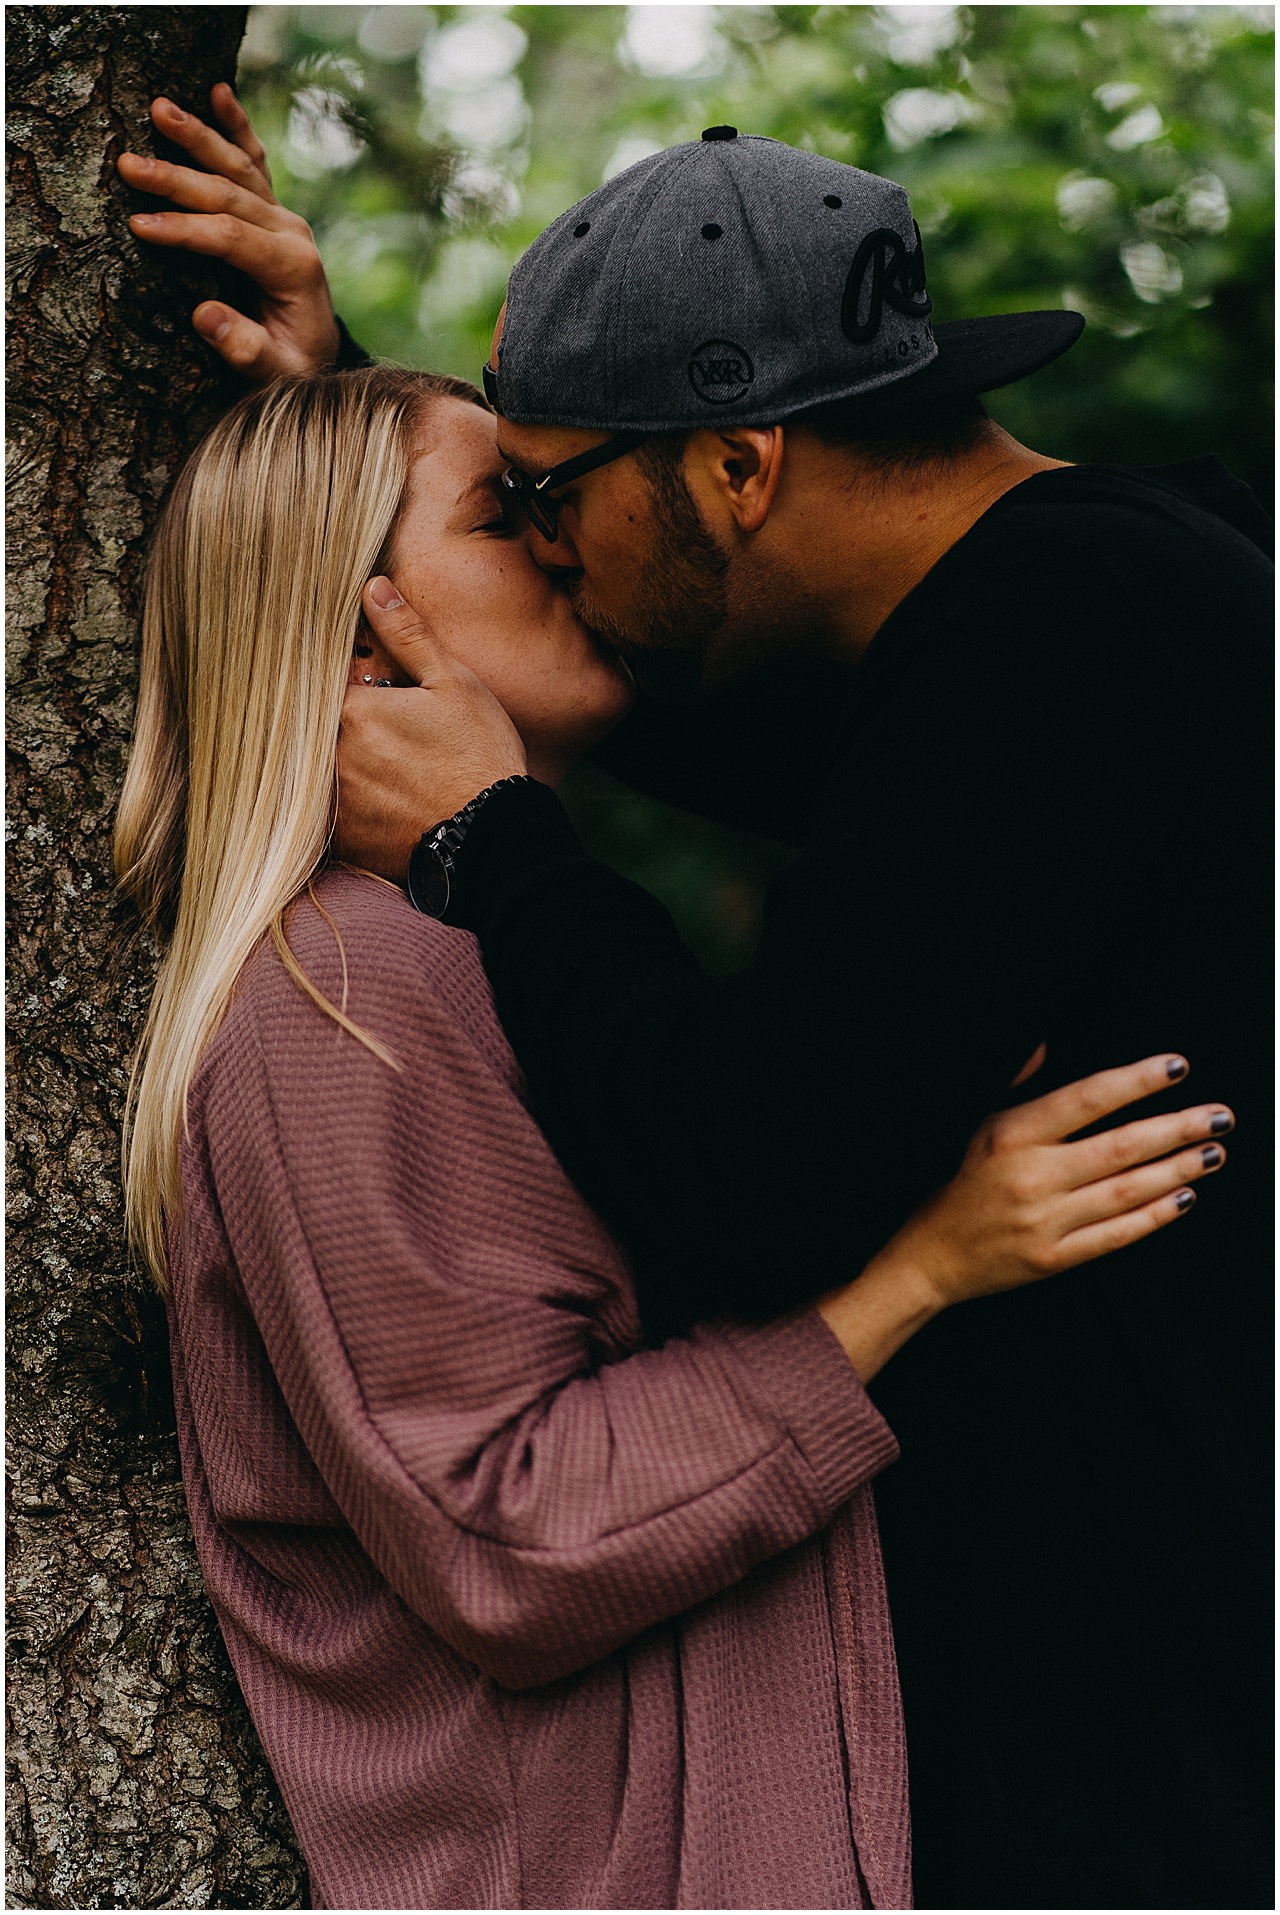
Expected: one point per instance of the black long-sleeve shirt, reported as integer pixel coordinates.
(1037, 808)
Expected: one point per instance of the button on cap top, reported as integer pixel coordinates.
(720, 133)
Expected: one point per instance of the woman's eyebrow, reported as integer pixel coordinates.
(487, 485)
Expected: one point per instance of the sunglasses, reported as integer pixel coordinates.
(532, 494)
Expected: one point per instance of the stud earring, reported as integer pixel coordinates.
(368, 678)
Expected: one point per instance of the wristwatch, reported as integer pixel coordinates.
(428, 880)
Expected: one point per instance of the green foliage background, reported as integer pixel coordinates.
(1117, 159)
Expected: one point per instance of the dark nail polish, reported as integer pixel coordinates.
(1211, 1156)
(1177, 1067)
(1185, 1199)
(1220, 1123)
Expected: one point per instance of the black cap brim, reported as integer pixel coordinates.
(979, 355)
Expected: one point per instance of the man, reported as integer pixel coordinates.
(1011, 714)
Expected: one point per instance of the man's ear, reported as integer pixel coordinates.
(738, 469)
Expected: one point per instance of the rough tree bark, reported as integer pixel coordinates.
(135, 1777)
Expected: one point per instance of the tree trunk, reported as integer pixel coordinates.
(136, 1778)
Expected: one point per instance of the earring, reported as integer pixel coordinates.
(382, 681)
(368, 678)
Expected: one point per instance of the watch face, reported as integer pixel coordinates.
(428, 881)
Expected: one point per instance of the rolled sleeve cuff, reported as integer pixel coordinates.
(797, 1365)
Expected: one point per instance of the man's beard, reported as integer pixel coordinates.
(681, 606)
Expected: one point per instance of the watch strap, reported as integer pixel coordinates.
(429, 879)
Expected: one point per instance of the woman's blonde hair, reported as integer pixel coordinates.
(278, 520)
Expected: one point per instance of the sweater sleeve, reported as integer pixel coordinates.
(436, 1304)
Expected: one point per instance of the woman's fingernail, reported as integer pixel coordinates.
(1177, 1067)
(1185, 1199)
(1220, 1123)
(384, 593)
(1211, 1156)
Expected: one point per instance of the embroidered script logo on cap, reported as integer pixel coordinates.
(897, 280)
(720, 372)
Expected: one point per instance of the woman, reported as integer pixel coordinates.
(525, 1614)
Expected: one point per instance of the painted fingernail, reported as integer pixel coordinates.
(1220, 1123)
(384, 593)
(1177, 1067)
(1211, 1156)
(1185, 1199)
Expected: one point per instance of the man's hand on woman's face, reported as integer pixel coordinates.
(230, 212)
(411, 755)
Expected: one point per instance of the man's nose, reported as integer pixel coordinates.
(557, 556)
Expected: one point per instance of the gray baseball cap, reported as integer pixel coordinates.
(736, 279)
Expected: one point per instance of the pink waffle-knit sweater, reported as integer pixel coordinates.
(526, 1615)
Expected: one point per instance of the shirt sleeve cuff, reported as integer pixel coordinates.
(797, 1365)
(350, 352)
(519, 833)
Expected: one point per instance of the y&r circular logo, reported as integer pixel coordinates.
(720, 372)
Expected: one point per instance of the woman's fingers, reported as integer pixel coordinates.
(234, 159)
(1034, 1063)
(1062, 1112)
(1100, 1239)
(1135, 1190)
(1138, 1143)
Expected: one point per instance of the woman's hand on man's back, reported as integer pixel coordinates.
(1033, 1198)
(228, 211)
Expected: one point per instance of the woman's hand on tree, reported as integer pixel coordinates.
(1032, 1199)
(229, 211)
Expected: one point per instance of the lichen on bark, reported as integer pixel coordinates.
(135, 1778)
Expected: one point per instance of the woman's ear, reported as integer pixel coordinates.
(370, 665)
(738, 469)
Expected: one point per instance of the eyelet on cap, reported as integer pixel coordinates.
(720, 133)
(712, 231)
(585, 227)
(831, 199)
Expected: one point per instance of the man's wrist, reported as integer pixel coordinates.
(432, 870)
(350, 353)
